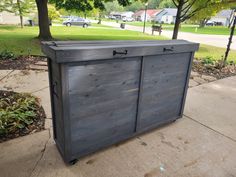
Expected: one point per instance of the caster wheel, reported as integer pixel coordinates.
(72, 162)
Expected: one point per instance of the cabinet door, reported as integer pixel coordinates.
(103, 103)
(163, 88)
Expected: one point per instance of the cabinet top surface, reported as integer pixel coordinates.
(73, 51)
(80, 45)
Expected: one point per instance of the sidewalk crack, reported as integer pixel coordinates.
(39, 90)
(7, 75)
(42, 153)
(210, 128)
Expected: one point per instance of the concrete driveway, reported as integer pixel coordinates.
(214, 40)
(201, 144)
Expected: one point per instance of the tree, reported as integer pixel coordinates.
(22, 8)
(52, 13)
(203, 15)
(5, 5)
(186, 9)
(112, 7)
(135, 6)
(166, 4)
(44, 30)
(153, 4)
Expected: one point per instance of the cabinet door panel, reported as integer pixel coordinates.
(103, 102)
(163, 87)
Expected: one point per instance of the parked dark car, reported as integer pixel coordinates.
(77, 22)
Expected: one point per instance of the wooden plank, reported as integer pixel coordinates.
(80, 83)
(161, 98)
(164, 63)
(111, 135)
(160, 117)
(161, 104)
(152, 84)
(90, 110)
(90, 98)
(109, 66)
(92, 126)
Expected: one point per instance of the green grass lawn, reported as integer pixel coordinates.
(214, 52)
(217, 30)
(23, 41)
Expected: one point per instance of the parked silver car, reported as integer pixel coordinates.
(77, 21)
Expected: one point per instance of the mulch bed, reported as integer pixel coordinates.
(20, 63)
(214, 69)
(36, 126)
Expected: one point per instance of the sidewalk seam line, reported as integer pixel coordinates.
(42, 153)
(210, 128)
(7, 75)
(39, 89)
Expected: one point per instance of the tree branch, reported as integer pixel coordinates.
(186, 8)
(174, 3)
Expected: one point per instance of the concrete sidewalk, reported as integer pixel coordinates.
(202, 143)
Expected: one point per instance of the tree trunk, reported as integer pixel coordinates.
(202, 23)
(178, 20)
(44, 29)
(21, 21)
(20, 13)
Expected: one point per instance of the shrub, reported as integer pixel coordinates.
(6, 54)
(17, 111)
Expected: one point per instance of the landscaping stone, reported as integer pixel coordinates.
(38, 67)
(199, 80)
(193, 83)
(209, 78)
(42, 63)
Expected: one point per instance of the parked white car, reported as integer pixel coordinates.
(128, 19)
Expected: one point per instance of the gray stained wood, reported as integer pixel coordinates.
(103, 101)
(100, 97)
(163, 88)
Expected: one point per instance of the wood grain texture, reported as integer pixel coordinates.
(103, 102)
(163, 88)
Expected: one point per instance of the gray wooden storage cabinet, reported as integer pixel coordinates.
(103, 92)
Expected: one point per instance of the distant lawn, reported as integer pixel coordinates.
(217, 30)
(23, 41)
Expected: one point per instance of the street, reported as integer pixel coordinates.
(213, 40)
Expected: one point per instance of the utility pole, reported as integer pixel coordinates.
(145, 16)
(230, 38)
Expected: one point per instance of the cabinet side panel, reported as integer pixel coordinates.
(56, 99)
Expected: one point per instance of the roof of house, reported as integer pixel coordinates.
(224, 13)
(150, 12)
(170, 11)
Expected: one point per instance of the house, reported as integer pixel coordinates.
(150, 14)
(167, 15)
(224, 17)
(127, 14)
(120, 15)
